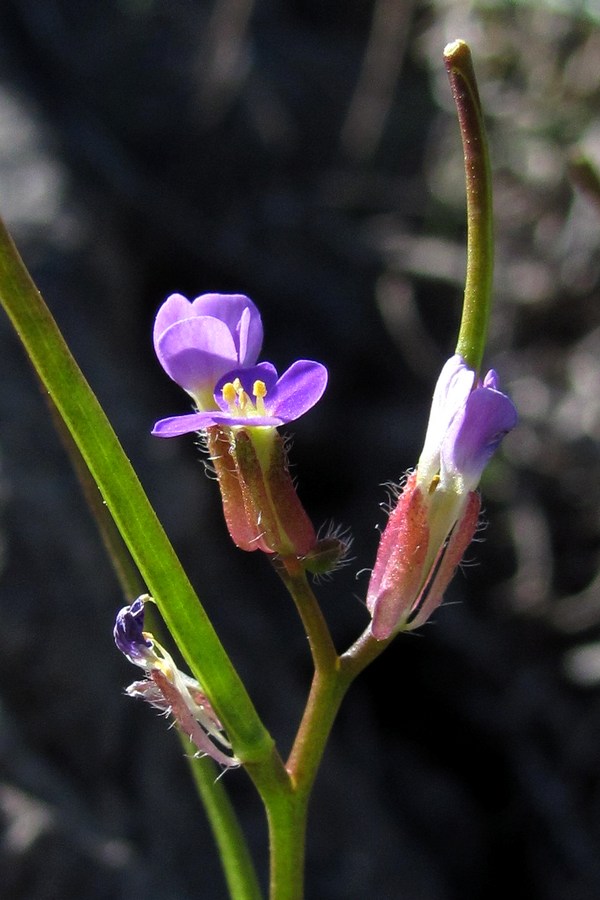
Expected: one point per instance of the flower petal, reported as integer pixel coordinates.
(242, 318)
(176, 425)
(450, 395)
(174, 309)
(474, 437)
(129, 633)
(297, 391)
(195, 352)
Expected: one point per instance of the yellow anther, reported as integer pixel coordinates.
(229, 394)
(238, 400)
(259, 389)
(242, 396)
(434, 483)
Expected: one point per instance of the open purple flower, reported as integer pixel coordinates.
(198, 341)
(255, 396)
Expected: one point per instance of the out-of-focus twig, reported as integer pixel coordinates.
(585, 176)
(222, 59)
(374, 92)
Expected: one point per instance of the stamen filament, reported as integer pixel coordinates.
(259, 389)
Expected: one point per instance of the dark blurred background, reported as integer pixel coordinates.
(307, 153)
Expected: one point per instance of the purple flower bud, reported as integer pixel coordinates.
(468, 420)
(436, 515)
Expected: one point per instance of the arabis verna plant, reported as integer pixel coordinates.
(211, 347)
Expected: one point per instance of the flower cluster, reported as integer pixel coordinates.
(167, 688)
(436, 515)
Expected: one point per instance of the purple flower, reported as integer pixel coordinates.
(468, 420)
(198, 341)
(255, 396)
(209, 347)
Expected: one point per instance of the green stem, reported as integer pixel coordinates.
(235, 858)
(287, 818)
(319, 638)
(480, 238)
(585, 176)
(287, 810)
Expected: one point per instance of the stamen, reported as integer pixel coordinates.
(242, 397)
(238, 400)
(229, 395)
(259, 389)
(434, 483)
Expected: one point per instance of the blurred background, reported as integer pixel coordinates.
(307, 154)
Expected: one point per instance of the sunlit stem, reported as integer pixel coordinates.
(480, 239)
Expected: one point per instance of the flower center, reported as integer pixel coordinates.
(240, 402)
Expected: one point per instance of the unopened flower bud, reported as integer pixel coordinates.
(436, 514)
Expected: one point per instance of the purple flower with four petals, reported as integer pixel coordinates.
(209, 347)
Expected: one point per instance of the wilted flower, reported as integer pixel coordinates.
(167, 688)
(436, 514)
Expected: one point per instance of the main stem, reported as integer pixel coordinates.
(287, 805)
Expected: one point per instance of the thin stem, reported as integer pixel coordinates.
(586, 177)
(480, 239)
(319, 638)
(235, 857)
(362, 652)
(287, 819)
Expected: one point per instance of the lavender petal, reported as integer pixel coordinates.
(242, 318)
(195, 352)
(298, 389)
(174, 309)
(177, 425)
(128, 631)
(473, 437)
